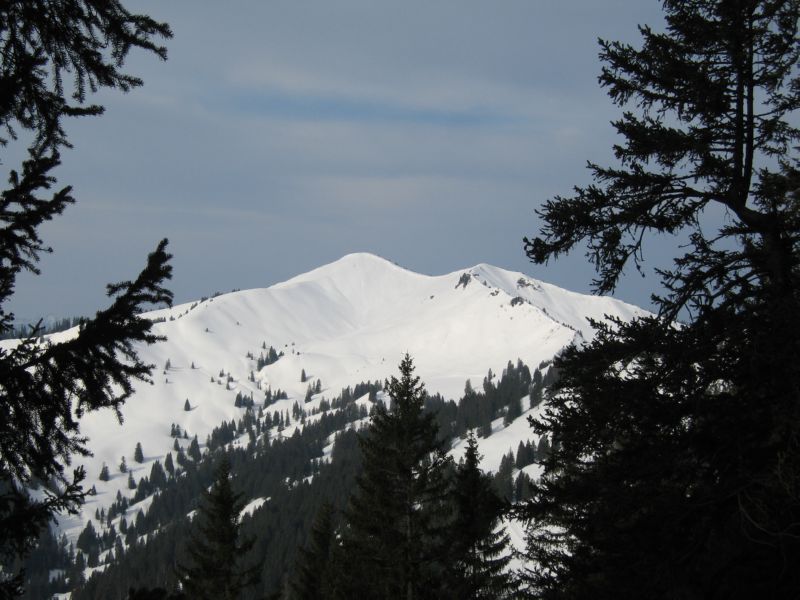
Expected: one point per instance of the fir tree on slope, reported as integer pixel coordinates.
(314, 575)
(44, 387)
(215, 553)
(676, 468)
(138, 453)
(395, 535)
(478, 565)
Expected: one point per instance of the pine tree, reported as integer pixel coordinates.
(131, 482)
(503, 482)
(186, 406)
(123, 466)
(314, 575)
(169, 466)
(49, 48)
(157, 477)
(138, 454)
(478, 565)
(180, 458)
(394, 541)
(514, 411)
(194, 450)
(215, 550)
(677, 453)
(104, 474)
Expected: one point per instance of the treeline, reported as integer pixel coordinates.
(40, 328)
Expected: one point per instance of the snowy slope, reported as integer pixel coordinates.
(345, 322)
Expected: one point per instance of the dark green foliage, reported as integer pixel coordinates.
(675, 464)
(716, 91)
(131, 482)
(271, 357)
(543, 449)
(87, 538)
(394, 540)
(243, 400)
(523, 487)
(50, 553)
(104, 474)
(123, 466)
(154, 594)
(169, 466)
(215, 551)
(499, 398)
(271, 397)
(503, 479)
(514, 411)
(194, 450)
(186, 406)
(138, 454)
(314, 572)
(46, 46)
(526, 455)
(477, 565)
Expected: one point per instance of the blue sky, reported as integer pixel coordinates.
(281, 135)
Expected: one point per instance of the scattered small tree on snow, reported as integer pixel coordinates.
(138, 454)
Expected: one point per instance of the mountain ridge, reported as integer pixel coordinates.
(345, 322)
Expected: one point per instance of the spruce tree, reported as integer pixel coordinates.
(194, 450)
(138, 453)
(677, 445)
(215, 550)
(478, 564)
(53, 54)
(169, 466)
(314, 574)
(394, 542)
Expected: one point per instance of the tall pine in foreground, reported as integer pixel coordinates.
(677, 470)
(215, 551)
(394, 537)
(478, 565)
(53, 53)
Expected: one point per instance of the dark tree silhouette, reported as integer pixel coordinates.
(215, 550)
(675, 461)
(394, 542)
(478, 565)
(44, 387)
(138, 453)
(314, 576)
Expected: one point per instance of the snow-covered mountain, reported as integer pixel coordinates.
(343, 323)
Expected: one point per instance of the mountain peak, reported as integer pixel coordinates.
(361, 265)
